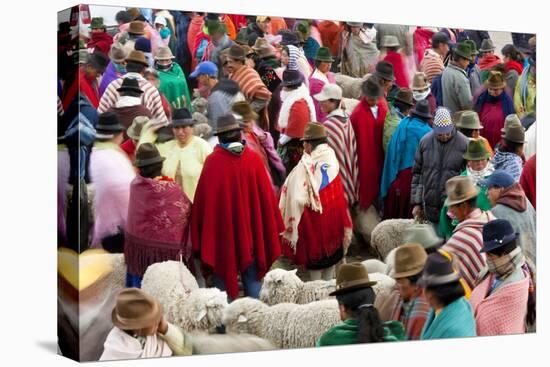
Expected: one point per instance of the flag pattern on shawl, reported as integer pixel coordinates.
(150, 97)
(341, 139)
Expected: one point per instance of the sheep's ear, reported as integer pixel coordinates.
(201, 315)
(294, 271)
(241, 319)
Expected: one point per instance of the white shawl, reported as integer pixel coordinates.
(120, 345)
(289, 98)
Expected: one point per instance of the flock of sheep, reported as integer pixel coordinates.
(290, 313)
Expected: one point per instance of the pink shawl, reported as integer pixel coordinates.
(502, 312)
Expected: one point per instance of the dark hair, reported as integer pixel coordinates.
(123, 17)
(151, 171)
(315, 143)
(141, 18)
(233, 136)
(403, 107)
(135, 67)
(467, 132)
(447, 293)
(507, 146)
(506, 249)
(337, 101)
(370, 328)
(437, 42)
(472, 203)
(414, 278)
(512, 52)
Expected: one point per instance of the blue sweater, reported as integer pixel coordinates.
(454, 321)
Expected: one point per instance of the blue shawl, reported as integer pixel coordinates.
(507, 103)
(401, 150)
(454, 321)
(524, 84)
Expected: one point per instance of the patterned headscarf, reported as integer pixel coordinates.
(442, 121)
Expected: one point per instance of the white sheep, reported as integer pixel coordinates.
(286, 325)
(202, 310)
(170, 282)
(351, 87)
(388, 235)
(375, 266)
(390, 262)
(200, 105)
(280, 286)
(383, 283)
(365, 221)
(204, 343)
(349, 104)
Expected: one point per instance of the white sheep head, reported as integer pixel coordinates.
(243, 315)
(203, 309)
(280, 286)
(375, 266)
(384, 283)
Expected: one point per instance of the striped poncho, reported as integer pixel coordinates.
(341, 139)
(150, 97)
(251, 84)
(465, 243)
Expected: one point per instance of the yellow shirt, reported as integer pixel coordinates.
(190, 158)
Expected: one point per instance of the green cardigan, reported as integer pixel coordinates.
(346, 333)
(447, 226)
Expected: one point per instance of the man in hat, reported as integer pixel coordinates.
(413, 308)
(508, 201)
(314, 208)
(129, 106)
(368, 125)
(250, 83)
(135, 67)
(257, 29)
(260, 142)
(439, 157)
(487, 58)
(467, 240)
(111, 172)
(206, 73)
(399, 109)
(320, 77)
(358, 50)
(493, 105)
(425, 235)
(504, 299)
(395, 186)
(266, 63)
(451, 315)
(432, 63)
(478, 167)
(526, 88)
(360, 318)
(144, 45)
(116, 67)
(135, 30)
(236, 222)
(100, 40)
(185, 155)
(421, 90)
(509, 154)
(472, 70)
(386, 78)
(296, 111)
(391, 45)
(148, 239)
(172, 80)
(133, 133)
(341, 139)
(219, 41)
(140, 330)
(467, 122)
(90, 68)
(161, 25)
(457, 94)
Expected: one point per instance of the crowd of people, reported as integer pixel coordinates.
(229, 141)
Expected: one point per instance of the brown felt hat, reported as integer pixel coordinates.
(236, 52)
(138, 57)
(405, 95)
(244, 109)
(137, 27)
(147, 154)
(495, 80)
(314, 131)
(227, 123)
(420, 82)
(351, 277)
(460, 189)
(410, 259)
(135, 309)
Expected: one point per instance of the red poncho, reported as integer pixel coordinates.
(488, 61)
(399, 68)
(528, 180)
(235, 217)
(370, 152)
(157, 224)
(101, 42)
(422, 40)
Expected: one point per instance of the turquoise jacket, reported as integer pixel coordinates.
(454, 321)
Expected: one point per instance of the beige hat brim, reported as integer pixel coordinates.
(149, 320)
(472, 195)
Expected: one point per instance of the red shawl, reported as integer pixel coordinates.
(399, 68)
(157, 224)
(528, 180)
(513, 65)
(236, 217)
(88, 88)
(422, 39)
(488, 61)
(368, 134)
(101, 42)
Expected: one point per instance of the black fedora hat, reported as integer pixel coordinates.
(99, 61)
(147, 154)
(130, 85)
(384, 70)
(108, 125)
(292, 77)
(422, 109)
(497, 233)
(438, 271)
(289, 38)
(226, 123)
(182, 117)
